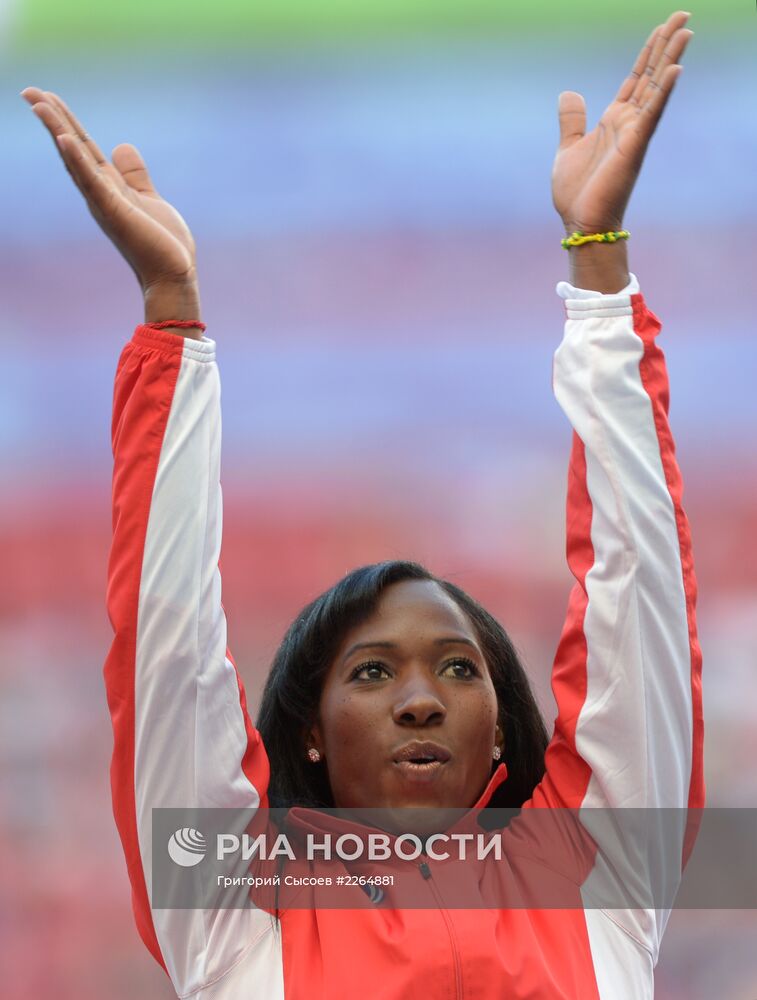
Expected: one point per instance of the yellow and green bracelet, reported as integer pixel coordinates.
(579, 239)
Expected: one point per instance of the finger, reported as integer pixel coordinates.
(78, 129)
(32, 94)
(88, 144)
(80, 165)
(129, 163)
(651, 112)
(52, 121)
(673, 52)
(655, 65)
(629, 84)
(571, 111)
(91, 179)
(45, 112)
(55, 123)
(658, 90)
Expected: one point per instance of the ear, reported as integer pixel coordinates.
(499, 738)
(314, 738)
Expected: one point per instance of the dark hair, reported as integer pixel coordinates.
(293, 689)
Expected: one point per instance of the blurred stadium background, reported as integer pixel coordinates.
(368, 183)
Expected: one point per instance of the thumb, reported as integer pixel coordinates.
(129, 163)
(571, 110)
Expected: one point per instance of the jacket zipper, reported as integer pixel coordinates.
(426, 873)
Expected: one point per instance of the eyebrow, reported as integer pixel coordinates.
(446, 640)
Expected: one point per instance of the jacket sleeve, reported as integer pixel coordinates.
(627, 673)
(182, 734)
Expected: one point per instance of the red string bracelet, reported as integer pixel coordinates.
(178, 324)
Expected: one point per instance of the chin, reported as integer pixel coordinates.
(415, 814)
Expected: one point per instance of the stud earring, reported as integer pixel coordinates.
(314, 755)
(496, 753)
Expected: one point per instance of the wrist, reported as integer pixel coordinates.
(578, 226)
(601, 267)
(167, 300)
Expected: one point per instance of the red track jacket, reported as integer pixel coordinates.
(626, 679)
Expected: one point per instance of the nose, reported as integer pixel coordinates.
(418, 704)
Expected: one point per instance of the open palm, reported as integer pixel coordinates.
(149, 232)
(594, 173)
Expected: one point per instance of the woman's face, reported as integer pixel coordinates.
(408, 711)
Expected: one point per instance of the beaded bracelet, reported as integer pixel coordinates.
(178, 324)
(579, 239)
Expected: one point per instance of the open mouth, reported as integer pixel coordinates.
(421, 760)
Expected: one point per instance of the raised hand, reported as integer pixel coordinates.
(149, 233)
(594, 173)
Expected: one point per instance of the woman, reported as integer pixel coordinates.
(396, 689)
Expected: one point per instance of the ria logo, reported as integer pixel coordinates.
(187, 847)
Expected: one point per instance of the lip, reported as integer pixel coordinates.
(419, 773)
(406, 756)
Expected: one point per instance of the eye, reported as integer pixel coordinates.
(462, 668)
(371, 671)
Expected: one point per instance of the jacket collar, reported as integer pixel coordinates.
(498, 778)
